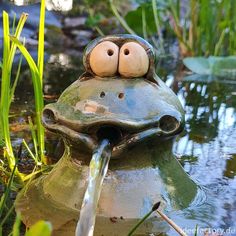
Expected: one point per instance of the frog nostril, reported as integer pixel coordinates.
(49, 117)
(168, 124)
(121, 95)
(102, 94)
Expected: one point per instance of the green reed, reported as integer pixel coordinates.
(141, 221)
(210, 27)
(122, 21)
(9, 50)
(38, 93)
(38, 81)
(6, 204)
(10, 44)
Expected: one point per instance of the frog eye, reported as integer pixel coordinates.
(104, 59)
(133, 60)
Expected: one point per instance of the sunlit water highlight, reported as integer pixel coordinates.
(56, 5)
(97, 171)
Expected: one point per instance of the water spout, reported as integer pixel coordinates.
(97, 172)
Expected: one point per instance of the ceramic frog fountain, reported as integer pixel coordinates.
(119, 97)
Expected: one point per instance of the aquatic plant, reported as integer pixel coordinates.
(5, 210)
(154, 208)
(7, 91)
(10, 44)
(208, 28)
(6, 204)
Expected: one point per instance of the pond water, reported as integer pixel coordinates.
(206, 149)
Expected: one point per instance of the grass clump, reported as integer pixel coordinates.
(10, 175)
(207, 27)
(10, 45)
(9, 50)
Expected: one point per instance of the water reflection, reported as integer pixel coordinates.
(207, 149)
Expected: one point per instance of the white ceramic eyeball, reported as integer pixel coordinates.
(104, 59)
(133, 60)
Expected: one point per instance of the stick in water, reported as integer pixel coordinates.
(171, 223)
(164, 217)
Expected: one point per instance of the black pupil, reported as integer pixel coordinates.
(110, 52)
(126, 51)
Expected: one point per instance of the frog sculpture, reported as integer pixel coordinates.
(121, 98)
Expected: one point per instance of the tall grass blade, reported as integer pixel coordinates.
(219, 44)
(38, 93)
(12, 91)
(16, 226)
(5, 100)
(157, 23)
(7, 191)
(30, 152)
(40, 63)
(196, 230)
(120, 18)
(6, 217)
(139, 223)
(4, 87)
(13, 24)
(144, 23)
(34, 137)
(154, 208)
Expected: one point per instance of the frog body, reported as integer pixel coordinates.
(119, 97)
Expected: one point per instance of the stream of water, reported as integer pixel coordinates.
(97, 172)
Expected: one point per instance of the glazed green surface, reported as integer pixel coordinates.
(133, 184)
(87, 105)
(147, 116)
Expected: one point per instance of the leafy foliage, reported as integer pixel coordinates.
(134, 17)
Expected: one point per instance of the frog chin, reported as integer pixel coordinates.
(122, 134)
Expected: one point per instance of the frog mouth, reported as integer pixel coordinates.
(122, 133)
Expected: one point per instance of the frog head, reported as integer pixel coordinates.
(119, 97)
